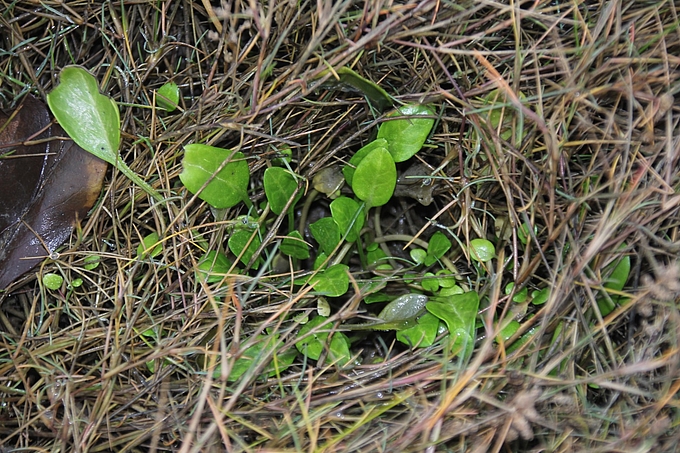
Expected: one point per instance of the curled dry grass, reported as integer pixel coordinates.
(591, 161)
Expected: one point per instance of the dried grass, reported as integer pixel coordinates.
(594, 166)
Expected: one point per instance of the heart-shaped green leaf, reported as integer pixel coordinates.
(279, 187)
(459, 312)
(348, 170)
(228, 187)
(326, 233)
(405, 136)
(168, 96)
(349, 216)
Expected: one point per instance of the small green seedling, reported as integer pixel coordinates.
(52, 281)
(150, 247)
(91, 119)
(459, 312)
(482, 250)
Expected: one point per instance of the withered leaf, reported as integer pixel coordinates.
(46, 187)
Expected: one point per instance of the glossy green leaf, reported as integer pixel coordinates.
(228, 186)
(406, 136)
(446, 279)
(279, 187)
(313, 345)
(349, 216)
(52, 281)
(150, 246)
(238, 242)
(508, 331)
(91, 119)
(418, 255)
(349, 169)
(167, 96)
(326, 233)
(429, 283)
(451, 291)
(437, 247)
(373, 92)
(540, 297)
(403, 308)
(213, 267)
(331, 282)
(482, 250)
(422, 334)
(375, 178)
(459, 312)
(293, 245)
(91, 262)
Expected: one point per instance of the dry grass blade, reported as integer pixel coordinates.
(556, 137)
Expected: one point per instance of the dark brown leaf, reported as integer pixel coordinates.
(46, 187)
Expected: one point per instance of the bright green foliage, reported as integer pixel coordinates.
(482, 250)
(348, 170)
(228, 187)
(403, 308)
(375, 255)
(349, 216)
(508, 331)
(405, 136)
(519, 297)
(418, 255)
(312, 346)
(293, 245)
(254, 355)
(150, 246)
(422, 334)
(375, 178)
(52, 281)
(91, 119)
(238, 242)
(437, 247)
(331, 282)
(213, 266)
(459, 312)
(91, 262)
(168, 96)
(540, 297)
(326, 233)
(429, 283)
(279, 187)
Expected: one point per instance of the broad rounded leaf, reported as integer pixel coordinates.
(348, 170)
(213, 267)
(279, 187)
(239, 245)
(313, 345)
(52, 281)
(228, 187)
(326, 233)
(332, 282)
(91, 119)
(375, 178)
(405, 136)
(482, 250)
(437, 247)
(293, 245)
(422, 334)
(459, 312)
(403, 308)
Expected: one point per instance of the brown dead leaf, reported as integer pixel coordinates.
(46, 187)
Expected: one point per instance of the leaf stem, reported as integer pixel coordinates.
(134, 177)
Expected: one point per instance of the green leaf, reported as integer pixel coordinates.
(418, 255)
(437, 247)
(279, 187)
(508, 331)
(237, 244)
(331, 282)
(167, 96)
(349, 216)
(313, 345)
(150, 247)
(540, 297)
(371, 90)
(519, 297)
(459, 312)
(326, 233)
(213, 266)
(228, 187)
(266, 347)
(91, 262)
(615, 281)
(429, 283)
(91, 119)
(293, 245)
(52, 281)
(375, 255)
(422, 334)
(375, 178)
(405, 136)
(403, 308)
(482, 250)
(348, 170)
